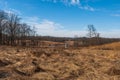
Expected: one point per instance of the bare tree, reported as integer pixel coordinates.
(3, 18)
(12, 27)
(92, 32)
(12, 31)
(24, 32)
(93, 35)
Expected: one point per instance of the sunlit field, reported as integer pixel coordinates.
(86, 63)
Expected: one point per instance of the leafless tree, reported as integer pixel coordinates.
(91, 31)
(3, 17)
(93, 35)
(12, 31)
(12, 27)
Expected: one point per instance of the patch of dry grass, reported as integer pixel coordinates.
(93, 63)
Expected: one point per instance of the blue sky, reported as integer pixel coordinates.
(66, 18)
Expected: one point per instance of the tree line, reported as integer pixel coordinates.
(12, 31)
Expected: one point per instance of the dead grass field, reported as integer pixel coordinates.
(91, 63)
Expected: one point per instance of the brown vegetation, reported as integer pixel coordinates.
(91, 63)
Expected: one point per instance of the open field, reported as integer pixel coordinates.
(59, 40)
(88, 63)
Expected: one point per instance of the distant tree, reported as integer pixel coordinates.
(24, 30)
(93, 35)
(76, 41)
(97, 35)
(92, 32)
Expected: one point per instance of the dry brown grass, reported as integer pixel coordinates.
(112, 46)
(93, 63)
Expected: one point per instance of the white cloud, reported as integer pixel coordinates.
(5, 6)
(46, 27)
(68, 2)
(74, 3)
(111, 33)
(12, 11)
(117, 15)
(50, 28)
(87, 8)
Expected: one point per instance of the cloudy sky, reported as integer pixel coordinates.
(67, 18)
